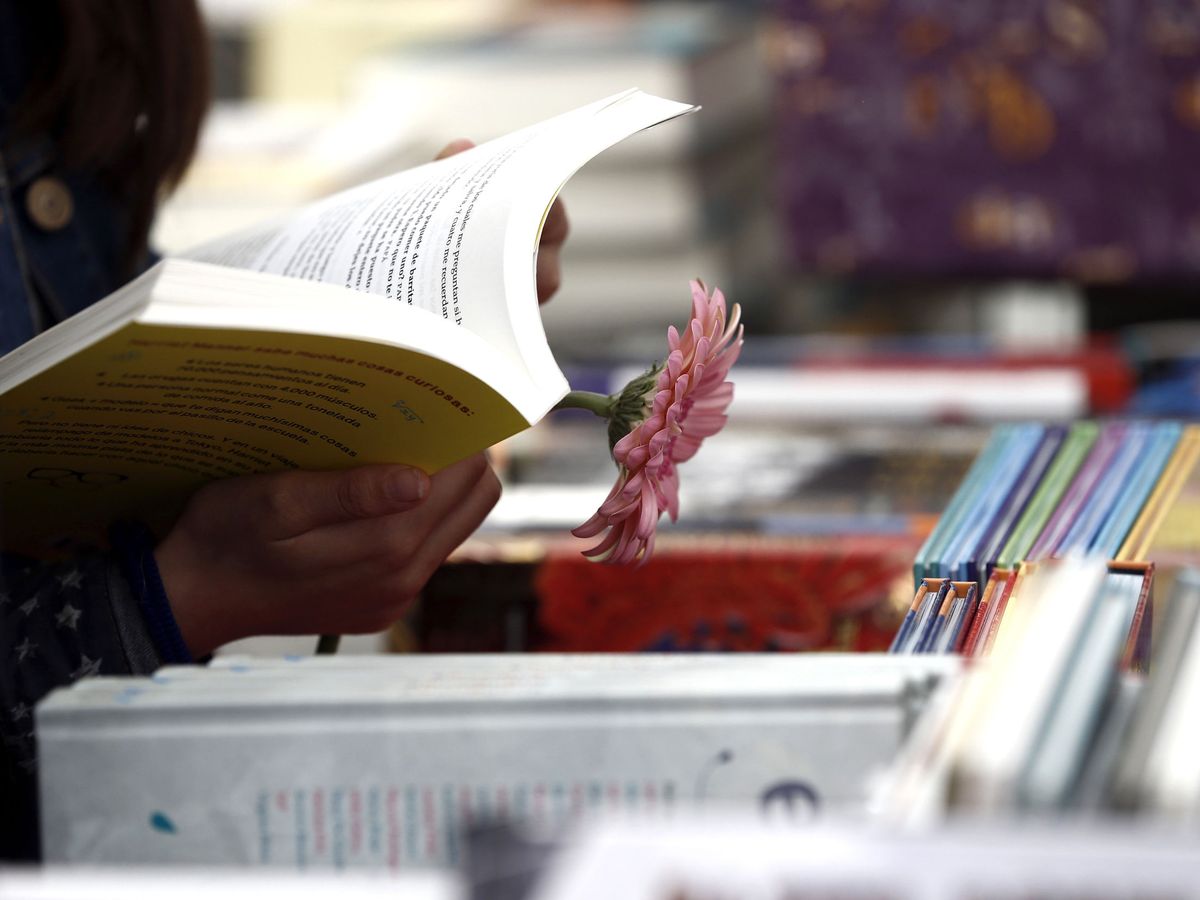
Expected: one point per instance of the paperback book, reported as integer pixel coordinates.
(394, 322)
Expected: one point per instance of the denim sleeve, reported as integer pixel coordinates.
(59, 622)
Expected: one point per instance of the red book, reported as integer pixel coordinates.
(969, 644)
(1001, 603)
(1136, 657)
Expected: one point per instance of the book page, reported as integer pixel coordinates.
(439, 237)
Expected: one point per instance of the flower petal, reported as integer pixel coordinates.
(687, 403)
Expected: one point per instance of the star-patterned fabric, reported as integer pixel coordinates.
(59, 623)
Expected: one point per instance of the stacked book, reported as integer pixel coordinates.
(700, 195)
(1051, 723)
(319, 763)
(1123, 491)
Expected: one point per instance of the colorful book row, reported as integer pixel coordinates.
(1038, 492)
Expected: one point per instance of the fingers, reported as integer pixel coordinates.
(549, 273)
(244, 560)
(293, 503)
(391, 542)
(549, 263)
(455, 528)
(398, 577)
(554, 233)
(557, 227)
(455, 147)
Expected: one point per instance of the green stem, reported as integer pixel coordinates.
(600, 404)
(327, 644)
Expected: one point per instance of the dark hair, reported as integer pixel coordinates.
(122, 86)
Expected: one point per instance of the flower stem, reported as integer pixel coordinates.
(328, 643)
(600, 404)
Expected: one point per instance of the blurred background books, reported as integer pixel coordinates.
(928, 223)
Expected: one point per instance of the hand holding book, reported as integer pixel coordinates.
(316, 552)
(396, 322)
(554, 234)
(392, 324)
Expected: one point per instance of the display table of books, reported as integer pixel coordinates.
(346, 762)
(391, 762)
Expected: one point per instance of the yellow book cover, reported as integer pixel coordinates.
(1171, 515)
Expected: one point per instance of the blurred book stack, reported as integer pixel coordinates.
(348, 762)
(950, 139)
(808, 547)
(810, 539)
(1053, 724)
(659, 211)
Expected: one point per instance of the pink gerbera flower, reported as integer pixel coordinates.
(659, 421)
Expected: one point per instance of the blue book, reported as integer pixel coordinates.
(935, 616)
(950, 521)
(910, 618)
(1107, 493)
(960, 618)
(983, 512)
(1158, 450)
(985, 556)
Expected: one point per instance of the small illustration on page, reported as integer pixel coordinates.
(162, 823)
(408, 412)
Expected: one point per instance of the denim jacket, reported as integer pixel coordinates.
(60, 250)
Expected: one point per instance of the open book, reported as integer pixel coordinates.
(394, 322)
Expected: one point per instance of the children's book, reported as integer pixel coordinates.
(960, 559)
(1163, 440)
(1178, 472)
(1109, 492)
(394, 322)
(1075, 449)
(1018, 499)
(1058, 754)
(926, 564)
(1074, 500)
(1140, 763)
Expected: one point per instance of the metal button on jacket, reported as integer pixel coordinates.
(49, 204)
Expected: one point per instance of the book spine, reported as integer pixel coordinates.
(998, 609)
(1162, 444)
(1079, 441)
(1076, 496)
(994, 584)
(1136, 656)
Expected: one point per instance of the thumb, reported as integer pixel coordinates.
(455, 147)
(303, 501)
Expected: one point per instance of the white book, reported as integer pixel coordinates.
(1171, 774)
(324, 766)
(1043, 628)
(1057, 759)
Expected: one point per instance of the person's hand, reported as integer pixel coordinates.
(554, 235)
(316, 552)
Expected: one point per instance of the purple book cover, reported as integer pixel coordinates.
(1093, 469)
(1047, 137)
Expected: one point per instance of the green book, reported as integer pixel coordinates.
(1058, 477)
(976, 480)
